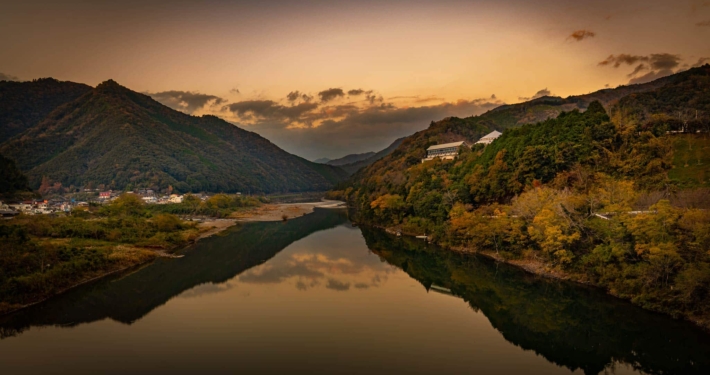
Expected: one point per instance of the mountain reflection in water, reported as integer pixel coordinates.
(309, 295)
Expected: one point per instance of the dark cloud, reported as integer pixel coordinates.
(234, 91)
(296, 95)
(330, 94)
(259, 110)
(186, 101)
(655, 66)
(8, 77)
(493, 97)
(703, 24)
(356, 92)
(701, 61)
(539, 94)
(580, 35)
(337, 285)
(622, 59)
(360, 129)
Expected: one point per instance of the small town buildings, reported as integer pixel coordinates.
(174, 198)
(150, 199)
(446, 151)
(489, 138)
(104, 195)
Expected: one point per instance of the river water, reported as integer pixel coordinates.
(316, 295)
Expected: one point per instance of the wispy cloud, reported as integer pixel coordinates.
(703, 24)
(647, 67)
(8, 77)
(539, 94)
(580, 35)
(186, 101)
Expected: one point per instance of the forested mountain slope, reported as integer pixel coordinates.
(559, 196)
(24, 104)
(119, 138)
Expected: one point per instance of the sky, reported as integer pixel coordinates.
(329, 78)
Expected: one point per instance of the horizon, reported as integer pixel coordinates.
(324, 80)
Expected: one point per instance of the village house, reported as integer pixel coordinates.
(489, 138)
(446, 151)
(174, 198)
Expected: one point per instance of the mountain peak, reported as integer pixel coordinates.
(110, 86)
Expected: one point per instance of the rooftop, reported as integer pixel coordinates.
(445, 145)
(493, 134)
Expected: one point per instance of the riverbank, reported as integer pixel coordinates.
(105, 257)
(539, 268)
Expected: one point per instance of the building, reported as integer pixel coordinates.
(174, 198)
(489, 138)
(105, 195)
(446, 151)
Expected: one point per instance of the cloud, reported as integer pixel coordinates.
(703, 24)
(655, 65)
(8, 77)
(186, 101)
(337, 285)
(539, 94)
(296, 95)
(330, 94)
(356, 92)
(234, 91)
(701, 61)
(580, 35)
(259, 110)
(330, 130)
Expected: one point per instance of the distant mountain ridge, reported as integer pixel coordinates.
(349, 159)
(357, 165)
(119, 138)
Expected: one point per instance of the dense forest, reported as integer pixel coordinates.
(115, 138)
(585, 195)
(24, 104)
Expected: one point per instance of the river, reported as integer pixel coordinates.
(316, 295)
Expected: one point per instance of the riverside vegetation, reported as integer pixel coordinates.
(43, 255)
(599, 198)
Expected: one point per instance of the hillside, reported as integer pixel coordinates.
(24, 104)
(556, 197)
(349, 159)
(121, 139)
(373, 157)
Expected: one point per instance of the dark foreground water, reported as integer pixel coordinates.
(318, 296)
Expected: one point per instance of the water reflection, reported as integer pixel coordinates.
(208, 263)
(316, 295)
(572, 326)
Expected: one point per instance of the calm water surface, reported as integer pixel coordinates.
(316, 295)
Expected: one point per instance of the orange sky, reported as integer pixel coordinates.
(403, 51)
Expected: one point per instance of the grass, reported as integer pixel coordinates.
(691, 160)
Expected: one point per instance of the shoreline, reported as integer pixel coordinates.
(539, 269)
(213, 226)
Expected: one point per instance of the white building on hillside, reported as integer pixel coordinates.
(489, 138)
(446, 151)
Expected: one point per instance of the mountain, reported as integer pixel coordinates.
(322, 161)
(352, 158)
(12, 181)
(685, 91)
(559, 195)
(24, 104)
(357, 165)
(122, 139)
